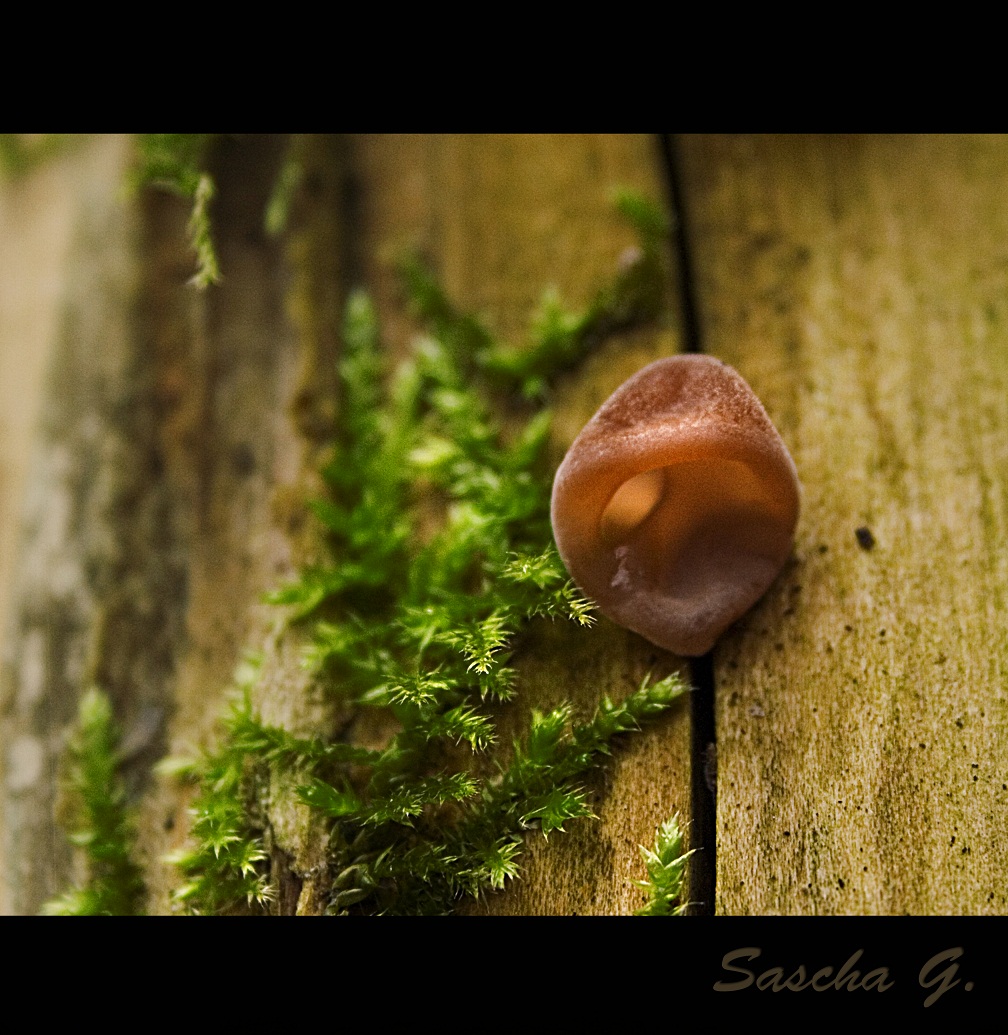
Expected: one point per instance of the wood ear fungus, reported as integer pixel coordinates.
(675, 508)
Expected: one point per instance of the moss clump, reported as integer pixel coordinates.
(98, 819)
(418, 616)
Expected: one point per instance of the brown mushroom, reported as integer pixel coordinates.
(675, 508)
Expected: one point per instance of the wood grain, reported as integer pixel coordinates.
(66, 340)
(179, 441)
(176, 440)
(502, 218)
(860, 284)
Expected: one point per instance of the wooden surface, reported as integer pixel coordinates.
(224, 399)
(64, 327)
(501, 219)
(860, 285)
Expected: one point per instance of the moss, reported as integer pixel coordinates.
(417, 616)
(98, 819)
(666, 872)
(413, 611)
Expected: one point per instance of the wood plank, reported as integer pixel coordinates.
(247, 382)
(199, 417)
(59, 297)
(502, 218)
(169, 472)
(860, 284)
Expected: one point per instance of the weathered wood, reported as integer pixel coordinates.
(502, 218)
(37, 219)
(248, 382)
(72, 576)
(176, 448)
(179, 442)
(860, 284)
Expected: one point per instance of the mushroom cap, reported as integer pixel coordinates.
(676, 505)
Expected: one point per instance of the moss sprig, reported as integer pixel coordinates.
(175, 162)
(666, 872)
(226, 870)
(99, 822)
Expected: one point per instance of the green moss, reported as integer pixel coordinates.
(176, 162)
(224, 871)
(22, 152)
(410, 615)
(99, 822)
(666, 872)
(420, 621)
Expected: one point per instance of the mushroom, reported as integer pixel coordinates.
(676, 505)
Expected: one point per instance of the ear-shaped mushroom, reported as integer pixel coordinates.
(675, 508)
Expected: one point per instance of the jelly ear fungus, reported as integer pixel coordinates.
(675, 507)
